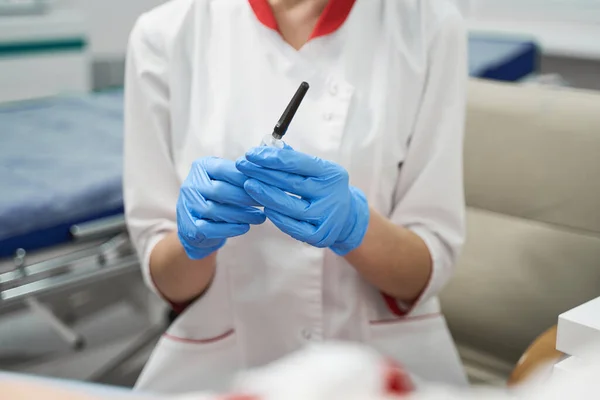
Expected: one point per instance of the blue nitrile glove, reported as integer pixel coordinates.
(330, 212)
(213, 206)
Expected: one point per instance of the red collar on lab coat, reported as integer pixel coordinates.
(332, 19)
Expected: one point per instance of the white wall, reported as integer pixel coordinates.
(576, 11)
(568, 28)
(562, 26)
(110, 22)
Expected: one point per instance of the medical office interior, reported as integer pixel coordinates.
(72, 301)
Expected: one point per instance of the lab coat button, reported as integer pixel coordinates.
(333, 89)
(328, 116)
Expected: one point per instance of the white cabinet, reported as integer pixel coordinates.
(43, 55)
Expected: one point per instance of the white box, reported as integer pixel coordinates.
(567, 367)
(579, 329)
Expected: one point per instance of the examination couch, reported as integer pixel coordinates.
(532, 161)
(72, 302)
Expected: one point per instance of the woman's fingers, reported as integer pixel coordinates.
(290, 161)
(213, 211)
(297, 184)
(220, 169)
(299, 230)
(218, 180)
(225, 193)
(277, 200)
(219, 230)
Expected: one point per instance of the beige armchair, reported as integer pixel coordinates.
(532, 176)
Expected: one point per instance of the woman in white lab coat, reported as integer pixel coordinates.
(375, 156)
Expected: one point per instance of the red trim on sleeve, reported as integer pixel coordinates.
(401, 310)
(178, 307)
(394, 306)
(397, 381)
(333, 17)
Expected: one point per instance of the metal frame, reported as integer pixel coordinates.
(108, 255)
(60, 272)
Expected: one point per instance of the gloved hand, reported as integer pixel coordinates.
(213, 206)
(329, 212)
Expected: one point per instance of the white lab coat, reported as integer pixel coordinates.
(210, 78)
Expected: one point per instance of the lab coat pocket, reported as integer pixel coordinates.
(200, 350)
(423, 345)
(179, 365)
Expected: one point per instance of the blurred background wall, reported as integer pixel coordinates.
(567, 30)
(109, 24)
